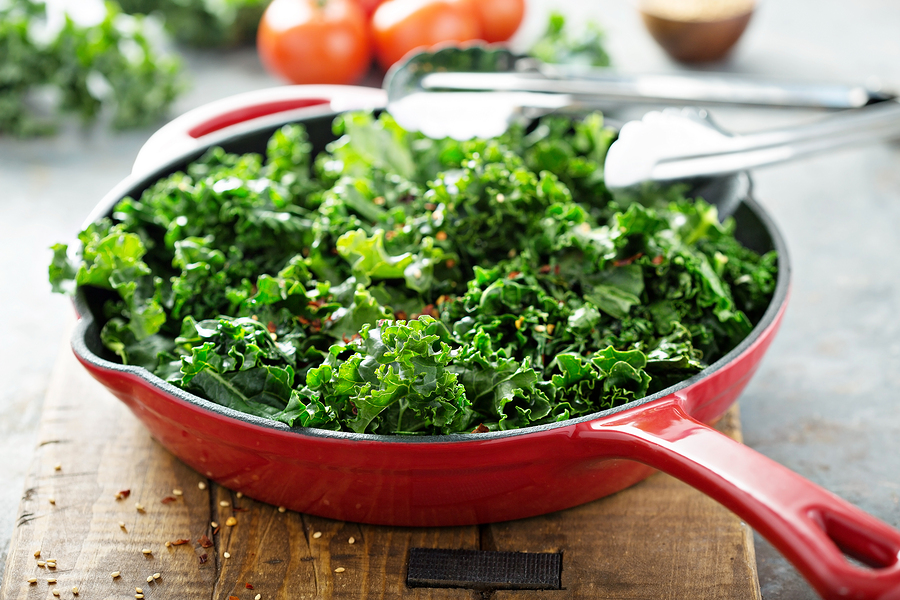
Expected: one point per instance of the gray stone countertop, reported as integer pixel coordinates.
(825, 402)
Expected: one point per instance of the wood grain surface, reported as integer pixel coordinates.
(658, 539)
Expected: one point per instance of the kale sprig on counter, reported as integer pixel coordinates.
(52, 65)
(398, 284)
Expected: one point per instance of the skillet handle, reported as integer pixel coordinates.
(229, 116)
(812, 527)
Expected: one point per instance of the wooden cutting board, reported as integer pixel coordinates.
(658, 539)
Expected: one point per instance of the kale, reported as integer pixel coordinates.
(396, 284)
(51, 65)
(559, 45)
(204, 23)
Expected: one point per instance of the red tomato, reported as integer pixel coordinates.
(399, 26)
(314, 41)
(499, 18)
(369, 6)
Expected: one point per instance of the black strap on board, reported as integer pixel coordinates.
(481, 569)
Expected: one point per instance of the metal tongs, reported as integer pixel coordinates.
(478, 91)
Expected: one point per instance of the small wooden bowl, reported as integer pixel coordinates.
(696, 41)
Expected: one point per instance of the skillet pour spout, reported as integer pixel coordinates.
(495, 476)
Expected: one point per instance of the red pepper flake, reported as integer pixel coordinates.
(481, 429)
(657, 260)
(545, 269)
(205, 557)
(204, 541)
(430, 311)
(315, 303)
(216, 530)
(514, 274)
(239, 509)
(556, 269)
(168, 499)
(180, 542)
(401, 315)
(345, 338)
(303, 320)
(271, 326)
(450, 263)
(248, 586)
(123, 494)
(627, 261)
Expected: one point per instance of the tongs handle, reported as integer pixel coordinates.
(599, 88)
(738, 153)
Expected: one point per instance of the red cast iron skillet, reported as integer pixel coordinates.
(498, 476)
